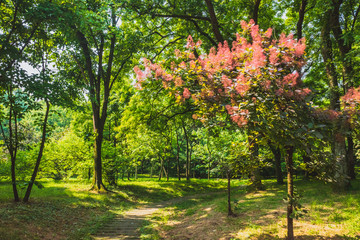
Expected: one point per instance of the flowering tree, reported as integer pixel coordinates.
(254, 81)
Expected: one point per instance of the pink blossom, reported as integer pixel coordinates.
(273, 56)
(192, 64)
(186, 93)
(300, 47)
(229, 109)
(290, 79)
(190, 43)
(168, 77)
(259, 58)
(268, 33)
(177, 53)
(244, 25)
(159, 72)
(140, 76)
(183, 65)
(178, 82)
(226, 81)
(255, 34)
(165, 84)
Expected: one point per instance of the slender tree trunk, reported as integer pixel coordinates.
(340, 179)
(190, 155)
(345, 47)
(13, 180)
(10, 145)
(187, 154)
(340, 182)
(161, 168)
(350, 157)
(255, 177)
(299, 25)
(290, 192)
(255, 12)
(214, 21)
(42, 145)
(178, 155)
(277, 162)
(98, 180)
(228, 175)
(209, 170)
(151, 170)
(167, 170)
(327, 55)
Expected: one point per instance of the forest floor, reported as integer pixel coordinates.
(178, 210)
(261, 215)
(127, 225)
(68, 210)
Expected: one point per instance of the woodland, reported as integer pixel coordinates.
(108, 104)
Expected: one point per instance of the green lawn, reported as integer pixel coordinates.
(66, 209)
(261, 215)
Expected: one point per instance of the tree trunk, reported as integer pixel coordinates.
(327, 54)
(161, 169)
(255, 177)
(136, 172)
(340, 179)
(209, 170)
(255, 12)
(350, 156)
(151, 169)
(187, 155)
(42, 145)
(167, 170)
(178, 155)
(214, 21)
(11, 146)
(290, 192)
(98, 180)
(228, 175)
(340, 182)
(277, 163)
(13, 180)
(299, 25)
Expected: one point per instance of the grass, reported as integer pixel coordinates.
(67, 210)
(261, 215)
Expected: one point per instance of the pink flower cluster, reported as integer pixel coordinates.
(227, 74)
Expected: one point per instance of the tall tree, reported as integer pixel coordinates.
(106, 45)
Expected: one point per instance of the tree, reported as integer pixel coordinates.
(253, 82)
(16, 103)
(106, 45)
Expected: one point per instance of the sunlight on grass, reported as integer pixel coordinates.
(262, 215)
(67, 209)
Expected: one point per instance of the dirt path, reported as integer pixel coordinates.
(127, 226)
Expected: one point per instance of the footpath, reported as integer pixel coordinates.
(127, 226)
